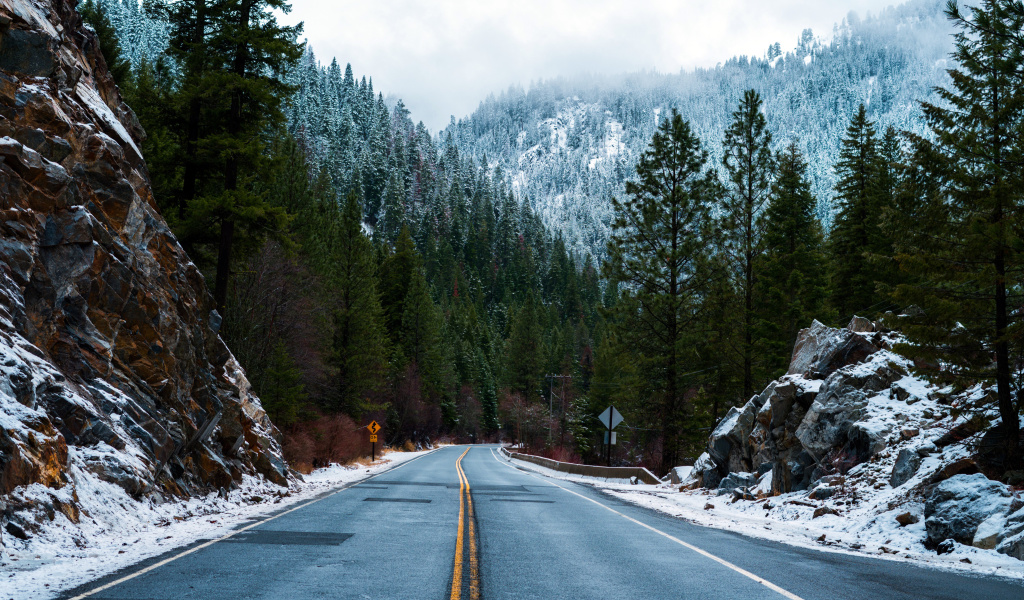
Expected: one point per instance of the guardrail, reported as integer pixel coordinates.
(588, 470)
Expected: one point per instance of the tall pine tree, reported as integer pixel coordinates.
(855, 232)
(661, 242)
(792, 286)
(749, 165)
(964, 242)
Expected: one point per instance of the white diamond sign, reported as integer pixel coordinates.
(610, 418)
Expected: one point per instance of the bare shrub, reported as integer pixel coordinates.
(328, 439)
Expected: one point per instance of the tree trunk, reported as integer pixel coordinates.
(1007, 408)
(227, 236)
(191, 174)
(227, 228)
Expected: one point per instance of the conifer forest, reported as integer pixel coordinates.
(650, 241)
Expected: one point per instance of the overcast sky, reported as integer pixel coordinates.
(442, 57)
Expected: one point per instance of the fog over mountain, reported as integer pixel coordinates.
(568, 144)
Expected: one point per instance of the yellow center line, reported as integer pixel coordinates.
(466, 521)
(474, 567)
(457, 573)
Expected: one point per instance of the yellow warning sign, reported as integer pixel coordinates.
(373, 439)
(373, 427)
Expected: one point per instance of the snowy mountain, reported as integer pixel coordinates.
(568, 144)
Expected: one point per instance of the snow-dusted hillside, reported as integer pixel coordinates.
(568, 145)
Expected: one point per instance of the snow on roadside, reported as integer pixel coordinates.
(870, 529)
(116, 531)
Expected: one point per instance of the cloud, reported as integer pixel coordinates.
(444, 56)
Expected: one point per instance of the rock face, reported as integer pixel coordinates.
(108, 334)
(820, 407)
(821, 350)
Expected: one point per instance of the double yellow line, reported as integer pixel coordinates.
(467, 524)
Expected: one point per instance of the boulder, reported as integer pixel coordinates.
(907, 463)
(990, 532)
(706, 472)
(679, 474)
(834, 420)
(907, 518)
(956, 507)
(860, 325)
(961, 466)
(728, 442)
(733, 481)
(703, 466)
(1012, 546)
(1011, 537)
(821, 350)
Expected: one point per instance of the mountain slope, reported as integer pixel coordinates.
(569, 144)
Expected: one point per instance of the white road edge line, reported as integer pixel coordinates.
(155, 566)
(700, 551)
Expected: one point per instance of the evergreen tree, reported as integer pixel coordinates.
(524, 351)
(749, 164)
(282, 393)
(259, 51)
(660, 245)
(855, 234)
(360, 341)
(792, 284)
(964, 242)
(488, 400)
(421, 329)
(397, 273)
(110, 46)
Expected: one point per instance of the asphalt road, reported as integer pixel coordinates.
(461, 523)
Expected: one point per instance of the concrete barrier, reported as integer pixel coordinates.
(588, 470)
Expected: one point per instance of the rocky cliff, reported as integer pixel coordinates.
(851, 430)
(110, 361)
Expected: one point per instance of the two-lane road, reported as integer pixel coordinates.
(462, 523)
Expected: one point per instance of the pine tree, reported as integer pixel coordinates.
(110, 47)
(660, 246)
(963, 244)
(524, 351)
(360, 340)
(259, 52)
(421, 329)
(749, 164)
(397, 273)
(854, 235)
(282, 393)
(792, 286)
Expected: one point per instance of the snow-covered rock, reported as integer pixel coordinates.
(111, 367)
(679, 474)
(728, 440)
(907, 463)
(1011, 537)
(734, 481)
(704, 473)
(821, 350)
(958, 506)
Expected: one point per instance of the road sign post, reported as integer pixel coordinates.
(610, 418)
(374, 428)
